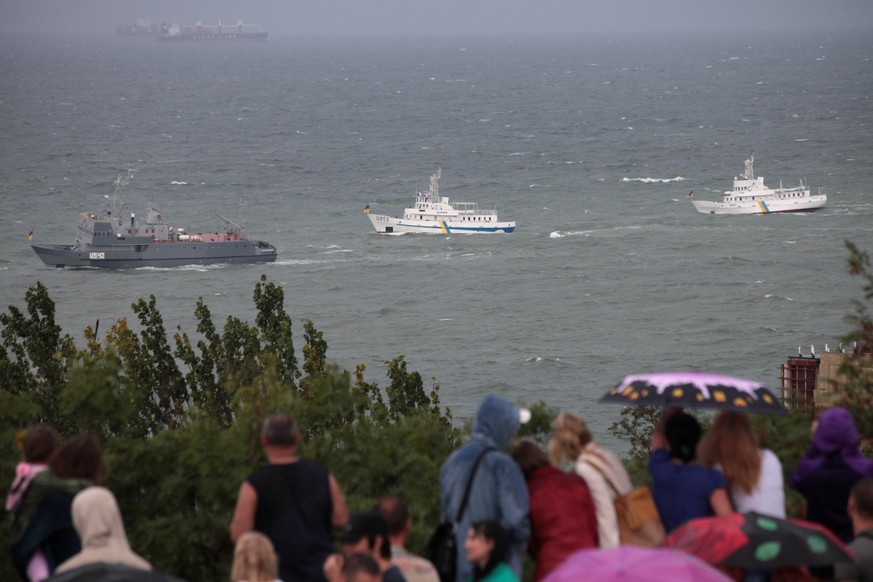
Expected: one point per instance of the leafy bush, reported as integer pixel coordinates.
(179, 420)
(856, 392)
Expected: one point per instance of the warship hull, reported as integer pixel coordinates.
(155, 254)
(105, 240)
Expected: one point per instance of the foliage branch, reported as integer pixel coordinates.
(179, 418)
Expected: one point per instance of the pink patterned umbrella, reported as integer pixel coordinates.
(635, 564)
(695, 390)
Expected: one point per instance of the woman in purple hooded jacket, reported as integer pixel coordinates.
(832, 464)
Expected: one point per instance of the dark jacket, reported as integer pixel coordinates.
(829, 469)
(50, 530)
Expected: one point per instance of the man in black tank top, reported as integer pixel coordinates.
(294, 502)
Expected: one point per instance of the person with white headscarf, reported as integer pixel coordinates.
(97, 519)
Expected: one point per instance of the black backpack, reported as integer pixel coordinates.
(442, 547)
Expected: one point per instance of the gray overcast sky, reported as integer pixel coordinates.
(434, 17)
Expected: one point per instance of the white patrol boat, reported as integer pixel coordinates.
(751, 196)
(434, 214)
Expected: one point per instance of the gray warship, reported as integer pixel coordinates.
(109, 239)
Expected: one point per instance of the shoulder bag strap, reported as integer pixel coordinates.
(603, 473)
(463, 505)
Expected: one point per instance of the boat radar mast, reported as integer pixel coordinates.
(749, 173)
(120, 185)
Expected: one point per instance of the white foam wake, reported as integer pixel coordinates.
(564, 233)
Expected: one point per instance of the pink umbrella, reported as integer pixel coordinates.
(635, 564)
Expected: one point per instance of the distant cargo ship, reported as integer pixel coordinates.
(212, 32)
(143, 27)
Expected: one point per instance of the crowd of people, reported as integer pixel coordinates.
(506, 498)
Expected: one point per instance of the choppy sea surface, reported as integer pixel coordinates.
(590, 144)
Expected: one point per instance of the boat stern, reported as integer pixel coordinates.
(264, 251)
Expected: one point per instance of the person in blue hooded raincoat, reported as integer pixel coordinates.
(499, 491)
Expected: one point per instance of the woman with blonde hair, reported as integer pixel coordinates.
(753, 474)
(602, 470)
(254, 559)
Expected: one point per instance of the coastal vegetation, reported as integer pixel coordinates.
(855, 390)
(178, 416)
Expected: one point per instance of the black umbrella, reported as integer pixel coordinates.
(695, 390)
(103, 572)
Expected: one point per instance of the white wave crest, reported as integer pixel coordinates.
(197, 268)
(547, 359)
(654, 180)
(564, 233)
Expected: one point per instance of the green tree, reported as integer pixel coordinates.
(635, 425)
(35, 355)
(275, 326)
(855, 386)
(180, 427)
(208, 375)
(541, 425)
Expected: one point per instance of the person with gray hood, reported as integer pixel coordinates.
(498, 490)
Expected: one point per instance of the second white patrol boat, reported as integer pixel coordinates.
(751, 196)
(434, 214)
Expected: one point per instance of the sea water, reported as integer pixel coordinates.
(590, 144)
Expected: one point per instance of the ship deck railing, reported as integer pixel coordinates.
(202, 237)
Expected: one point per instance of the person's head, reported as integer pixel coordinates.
(361, 568)
(570, 437)
(836, 431)
(366, 532)
(396, 515)
(40, 443)
(97, 518)
(529, 456)
(79, 457)
(732, 444)
(254, 559)
(861, 504)
(279, 431)
(498, 419)
(683, 433)
(487, 545)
